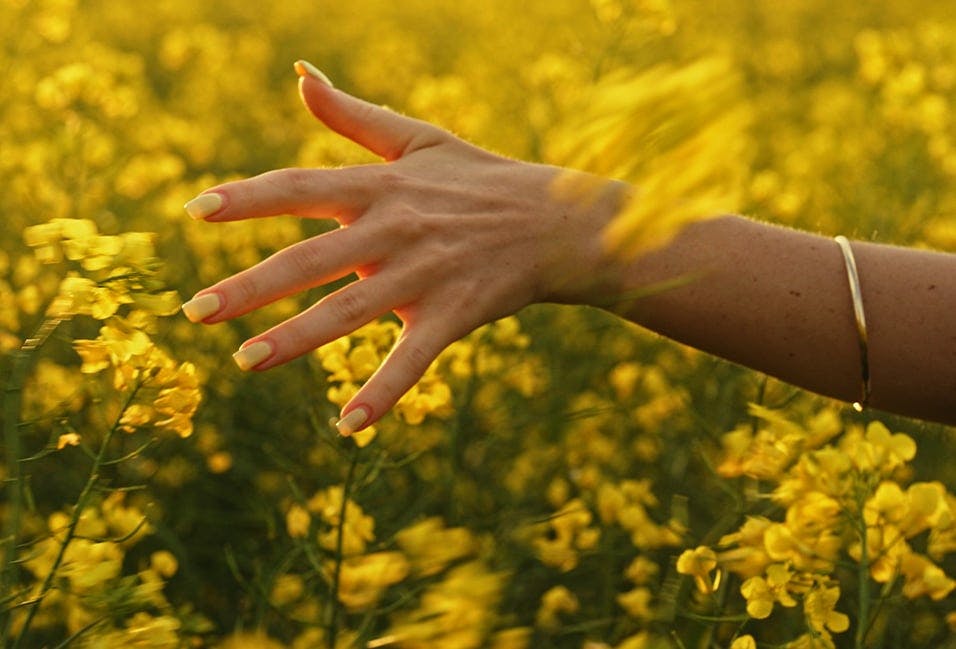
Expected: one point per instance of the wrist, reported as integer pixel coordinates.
(581, 267)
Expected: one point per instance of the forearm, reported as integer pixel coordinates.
(777, 300)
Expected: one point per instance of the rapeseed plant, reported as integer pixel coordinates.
(557, 479)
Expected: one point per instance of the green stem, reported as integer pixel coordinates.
(339, 543)
(12, 403)
(12, 399)
(863, 576)
(714, 618)
(78, 509)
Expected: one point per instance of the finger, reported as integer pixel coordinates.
(301, 266)
(311, 193)
(378, 129)
(332, 317)
(415, 350)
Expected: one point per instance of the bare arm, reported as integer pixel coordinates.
(449, 237)
(777, 300)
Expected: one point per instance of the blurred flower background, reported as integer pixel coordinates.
(559, 478)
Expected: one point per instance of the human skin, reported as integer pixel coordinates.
(449, 237)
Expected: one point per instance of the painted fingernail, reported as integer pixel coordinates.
(352, 421)
(201, 307)
(251, 355)
(204, 205)
(303, 68)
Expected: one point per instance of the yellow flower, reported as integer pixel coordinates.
(123, 519)
(640, 640)
(825, 470)
(878, 450)
(610, 502)
(297, 522)
(927, 507)
(431, 546)
(567, 532)
(887, 504)
(364, 579)
(809, 538)
(750, 557)
(163, 563)
(744, 642)
(761, 593)
(94, 355)
(886, 546)
(554, 602)
(816, 640)
(698, 563)
(516, 638)
(247, 640)
(456, 612)
(819, 604)
(641, 570)
(637, 603)
(89, 565)
(358, 531)
(67, 439)
(623, 378)
(145, 631)
(923, 577)
(135, 416)
(286, 590)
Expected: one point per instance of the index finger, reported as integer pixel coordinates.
(312, 193)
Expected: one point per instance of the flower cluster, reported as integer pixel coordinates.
(842, 499)
(91, 590)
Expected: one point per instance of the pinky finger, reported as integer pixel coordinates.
(403, 367)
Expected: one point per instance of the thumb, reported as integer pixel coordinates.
(378, 129)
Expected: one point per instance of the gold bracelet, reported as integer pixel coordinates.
(857, 296)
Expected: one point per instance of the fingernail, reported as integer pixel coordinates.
(200, 308)
(204, 205)
(251, 355)
(352, 421)
(303, 68)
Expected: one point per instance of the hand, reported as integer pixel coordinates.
(444, 234)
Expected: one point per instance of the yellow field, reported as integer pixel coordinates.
(559, 478)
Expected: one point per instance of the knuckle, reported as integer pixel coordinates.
(245, 289)
(347, 307)
(416, 358)
(296, 334)
(366, 113)
(299, 182)
(293, 180)
(391, 181)
(241, 192)
(304, 259)
(407, 224)
(426, 136)
(402, 222)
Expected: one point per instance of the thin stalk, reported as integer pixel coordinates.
(863, 587)
(81, 503)
(12, 399)
(713, 618)
(12, 403)
(339, 544)
(79, 633)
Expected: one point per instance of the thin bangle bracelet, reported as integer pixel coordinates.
(857, 295)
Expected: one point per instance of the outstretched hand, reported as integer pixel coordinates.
(444, 234)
